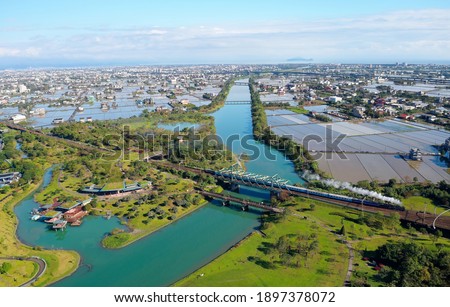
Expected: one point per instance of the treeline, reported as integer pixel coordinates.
(322, 117)
(261, 132)
(219, 100)
(93, 134)
(413, 265)
(275, 104)
(439, 192)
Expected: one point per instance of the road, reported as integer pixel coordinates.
(39, 261)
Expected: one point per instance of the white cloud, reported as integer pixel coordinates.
(421, 34)
(9, 52)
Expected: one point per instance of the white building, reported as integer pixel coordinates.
(22, 89)
(335, 99)
(18, 118)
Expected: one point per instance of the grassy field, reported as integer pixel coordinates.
(420, 203)
(326, 267)
(250, 263)
(298, 110)
(20, 273)
(58, 190)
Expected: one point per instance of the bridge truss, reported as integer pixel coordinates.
(236, 173)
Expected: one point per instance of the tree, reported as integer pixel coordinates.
(283, 244)
(5, 267)
(342, 231)
(392, 182)
(435, 237)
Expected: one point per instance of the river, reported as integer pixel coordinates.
(174, 251)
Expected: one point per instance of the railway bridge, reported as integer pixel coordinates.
(244, 202)
(237, 102)
(241, 83)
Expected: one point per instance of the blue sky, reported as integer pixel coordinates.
(53, 33)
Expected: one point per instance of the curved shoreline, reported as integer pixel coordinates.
(215, 258)
(154, 230)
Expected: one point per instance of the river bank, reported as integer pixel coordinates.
(60, 263)
(138, 234)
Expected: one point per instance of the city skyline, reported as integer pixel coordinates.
(52, 34)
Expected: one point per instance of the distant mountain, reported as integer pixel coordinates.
(299, 59)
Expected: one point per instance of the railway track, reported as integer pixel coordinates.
(412, 216)
(76, 144)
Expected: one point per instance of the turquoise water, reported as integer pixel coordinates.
(234, 122)
(157, 260)
(174, 251)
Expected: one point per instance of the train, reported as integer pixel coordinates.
(292, 188)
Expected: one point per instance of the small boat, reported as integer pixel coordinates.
(80, 109)
(35, 217)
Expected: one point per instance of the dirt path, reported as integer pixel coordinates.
(351, 256)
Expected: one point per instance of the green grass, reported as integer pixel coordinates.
(113, 185)
(60, 190)
(327, 267)
(420, 203)
(20, 273)
(117, 240)
(298, 110)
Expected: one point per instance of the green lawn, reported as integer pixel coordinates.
(326, 267)
(420, 203)
(20, 273)
(252, 264)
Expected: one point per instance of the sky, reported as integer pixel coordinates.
(50, 33)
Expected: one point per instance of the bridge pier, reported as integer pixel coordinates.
(226, 203)
(235, 187)
(245, 208)
(274, 193)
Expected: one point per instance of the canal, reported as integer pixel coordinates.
(176, 250)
